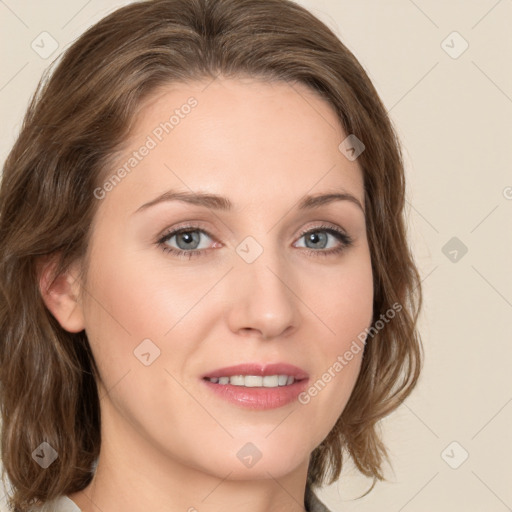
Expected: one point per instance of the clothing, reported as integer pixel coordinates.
(64, 504)
(61, 504)
(312, 503)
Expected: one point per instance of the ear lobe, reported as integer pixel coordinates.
(61, 295)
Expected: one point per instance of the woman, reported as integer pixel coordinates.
(141, 372)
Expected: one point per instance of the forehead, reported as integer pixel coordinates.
(244, 138)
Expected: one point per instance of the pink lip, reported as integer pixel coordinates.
(258, 369)
(258, 397)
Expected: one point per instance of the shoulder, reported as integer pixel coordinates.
(60, 504)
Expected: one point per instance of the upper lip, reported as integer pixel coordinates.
(259, 369)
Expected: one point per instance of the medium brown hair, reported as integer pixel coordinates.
(78, 118)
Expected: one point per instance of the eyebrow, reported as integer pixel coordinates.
(217, 202)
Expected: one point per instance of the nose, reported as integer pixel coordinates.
(263, 300)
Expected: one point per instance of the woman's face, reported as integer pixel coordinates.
(250, 288)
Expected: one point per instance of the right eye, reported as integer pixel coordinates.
(187, 235)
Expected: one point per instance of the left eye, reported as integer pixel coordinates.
(321, 236)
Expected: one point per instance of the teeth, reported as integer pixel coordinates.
(271, 381)
(237, 380)
(283, 379)
(254, 381)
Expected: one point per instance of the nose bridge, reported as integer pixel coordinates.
(263, 289)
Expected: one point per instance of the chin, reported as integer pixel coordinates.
(260, 458)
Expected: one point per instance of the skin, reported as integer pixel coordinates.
(168, 443)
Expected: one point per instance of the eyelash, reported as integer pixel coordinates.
(344, 238)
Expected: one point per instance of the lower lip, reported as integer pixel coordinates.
(258, 397)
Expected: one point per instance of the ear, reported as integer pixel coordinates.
(61, 295)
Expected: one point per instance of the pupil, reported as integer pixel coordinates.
(315, 238)
(188, 237)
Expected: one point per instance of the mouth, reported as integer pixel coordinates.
(257, 386)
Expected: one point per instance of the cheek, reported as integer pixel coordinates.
(345, 311)
(130, 301)
(136, 299)
(343, 303)
(121, 310)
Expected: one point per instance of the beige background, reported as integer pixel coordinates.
(454, 117)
